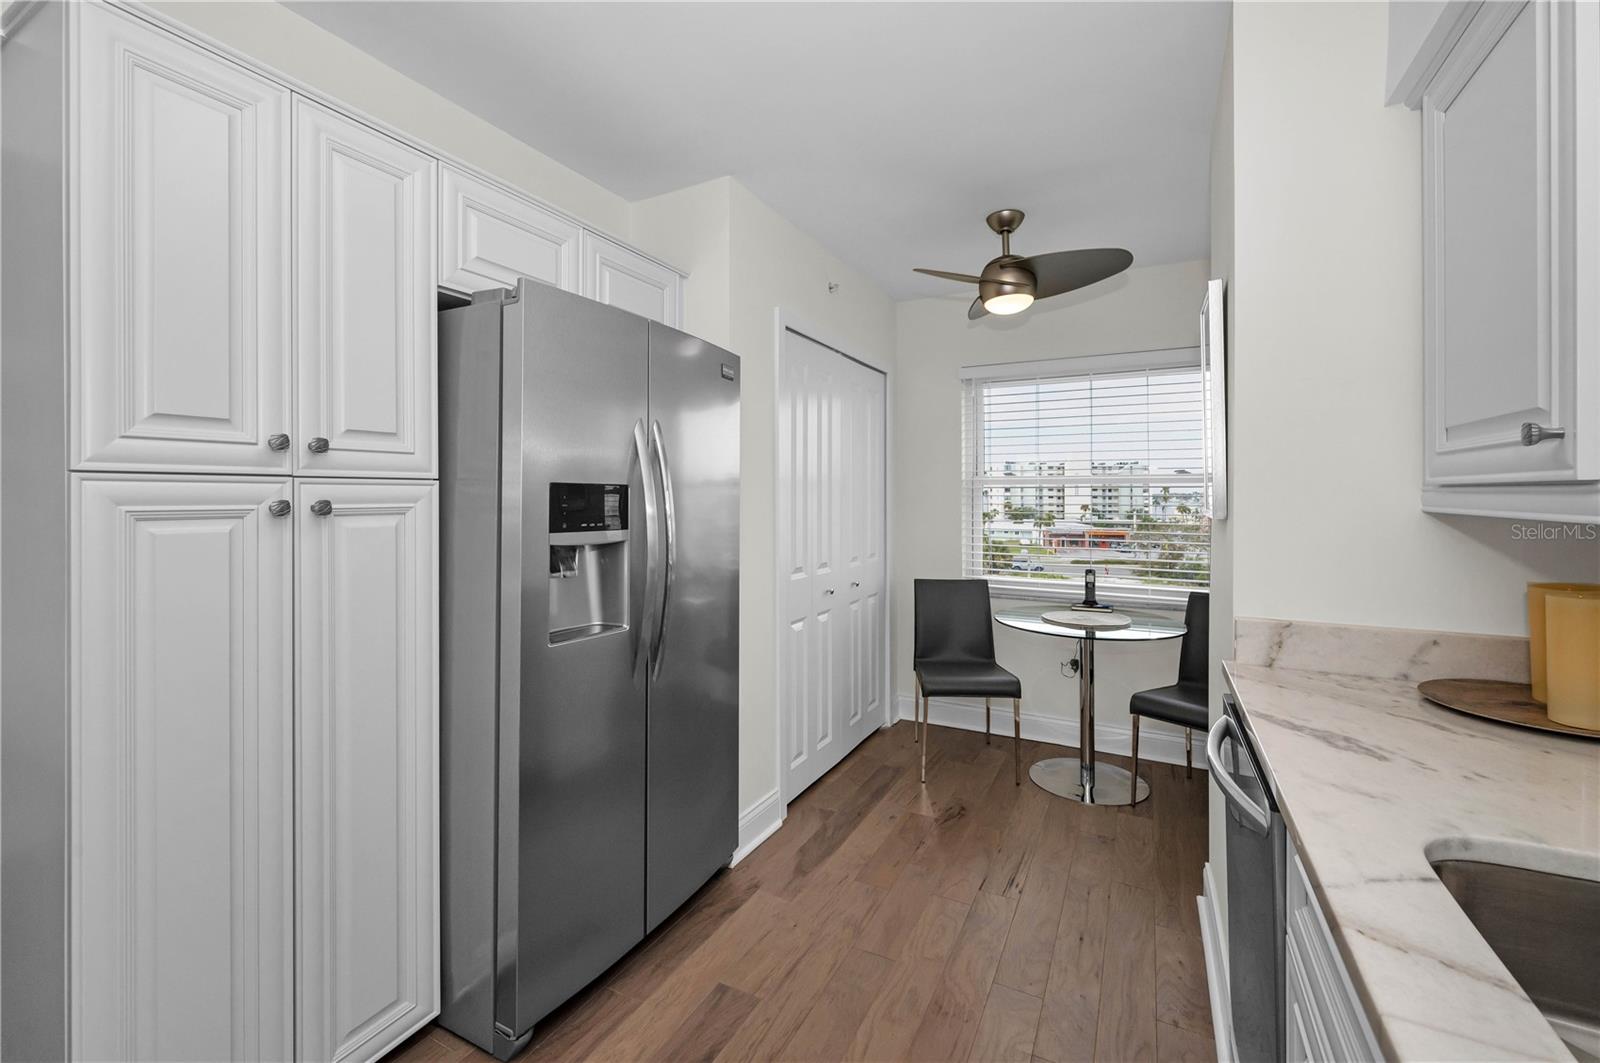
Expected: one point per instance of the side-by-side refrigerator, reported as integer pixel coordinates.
(590, 584)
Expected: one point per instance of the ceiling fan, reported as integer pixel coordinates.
(1009, 284)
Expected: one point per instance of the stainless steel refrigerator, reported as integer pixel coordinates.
(590, 584)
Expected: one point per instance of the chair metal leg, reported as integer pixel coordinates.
(924, 738)
(1136, 753)
(916, 707)
(985, 721)
(1016, 729)
(1188, 753)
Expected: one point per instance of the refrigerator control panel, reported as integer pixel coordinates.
(588, 507)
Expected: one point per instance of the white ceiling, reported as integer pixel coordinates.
(886, 131)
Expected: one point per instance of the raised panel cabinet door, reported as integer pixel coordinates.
(618, 276)
(489, 237)
(1498, 253)
(181, 796)
(180, 261)
(365, 302)
(367, 766)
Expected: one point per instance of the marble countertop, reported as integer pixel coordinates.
(1373, 781)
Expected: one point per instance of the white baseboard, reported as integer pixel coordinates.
(757, 823)
(1214, 942)
(1155, 742)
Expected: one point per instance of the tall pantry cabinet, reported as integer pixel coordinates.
(219, 736)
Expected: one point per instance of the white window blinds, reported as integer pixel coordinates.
(1074, 467)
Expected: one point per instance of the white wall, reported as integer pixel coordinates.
(1326, 435)
(1222, 530)
(1147, 308)
(693, 229)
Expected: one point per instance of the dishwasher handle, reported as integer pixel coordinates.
(1252, 815)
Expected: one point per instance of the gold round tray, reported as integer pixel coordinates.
(1493, 700)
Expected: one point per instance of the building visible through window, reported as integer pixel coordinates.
(1064, 470)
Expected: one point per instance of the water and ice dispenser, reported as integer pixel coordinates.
(588, 560)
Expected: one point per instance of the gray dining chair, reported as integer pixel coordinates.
(953, 655)
(1186, 702)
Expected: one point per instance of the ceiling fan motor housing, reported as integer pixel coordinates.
(1002, 277)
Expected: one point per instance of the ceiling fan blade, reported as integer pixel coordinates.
(1065, 271)
(976, 310)
(966, 278)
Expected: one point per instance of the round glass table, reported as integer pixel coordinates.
(1081, 778)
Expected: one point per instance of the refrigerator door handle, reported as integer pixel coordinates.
(652, 507)
(660, 447)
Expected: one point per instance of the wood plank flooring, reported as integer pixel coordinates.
(968, 919)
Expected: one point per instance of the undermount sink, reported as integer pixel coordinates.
(1546, 930)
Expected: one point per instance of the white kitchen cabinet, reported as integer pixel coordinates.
(365, 302)
(203, 265)
(179, 358)
(181, 893)
(618, 276)
(1323, 1015)
(367, 765)
(489, 237)
(1511, 265)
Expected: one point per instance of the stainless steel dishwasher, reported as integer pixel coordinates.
(1256, 887)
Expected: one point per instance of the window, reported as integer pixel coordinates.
(1088, 462)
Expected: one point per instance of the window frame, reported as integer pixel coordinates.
(1024, 588)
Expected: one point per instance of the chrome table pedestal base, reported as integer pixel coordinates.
(1084, 779)
(1063, 777)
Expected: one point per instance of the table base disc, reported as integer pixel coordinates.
(1059, 775)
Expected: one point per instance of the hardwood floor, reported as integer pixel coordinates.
(970, 919)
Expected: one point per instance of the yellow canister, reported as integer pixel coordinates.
(1536, 636)
(1572, 657)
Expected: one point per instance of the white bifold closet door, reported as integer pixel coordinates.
(833, 645)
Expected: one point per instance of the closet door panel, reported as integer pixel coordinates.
(181, 945)
(180, 269)
(862, 509)
(365, 351)
(831, 509)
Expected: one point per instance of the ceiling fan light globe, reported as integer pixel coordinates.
(1008, 303)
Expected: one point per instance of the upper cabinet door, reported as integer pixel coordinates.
(488, 238)
(365, 300)
(617, 276)
(180, 265)
(1500, 188)
(368, 766)
(182, 854)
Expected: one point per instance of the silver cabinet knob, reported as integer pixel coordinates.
(277, 441)
(829, 592)
(318, 446)
(855, 583)
(322, 507)
(279, 507)
(1534, 434)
